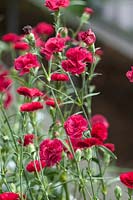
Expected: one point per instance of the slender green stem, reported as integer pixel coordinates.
(21, 172)
(78, 29)
(130, 191)
(91, 181)
(84, 195)
(27, 183)
(101, 174)
(10, 129)
(66, 191)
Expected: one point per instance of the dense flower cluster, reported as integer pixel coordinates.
(69, 138)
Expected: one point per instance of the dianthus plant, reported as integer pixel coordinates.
(51, 146)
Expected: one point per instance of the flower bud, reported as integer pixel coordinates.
(63, 177)
(31, 148)
(88, 153)
(64, 32)
(30, 39)
(78, 155)
(118, 192)
(84, 18)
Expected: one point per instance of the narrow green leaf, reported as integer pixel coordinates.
(91, 95)
(106, 150)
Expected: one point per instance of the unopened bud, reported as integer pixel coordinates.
(84, 18)
(30, 39)
(88, 153)
(78, 155)
(63, 177)
(64, 32)
(56, 134)
(118, 192)
(31, 148)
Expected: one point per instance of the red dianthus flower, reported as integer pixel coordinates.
(55, 5)
(53, 45)
(77, 58)
(99, 131)
(9, 196)
(28, 139)
(32, 106)
(59, 77)
(88, 10)
(50, 102)
(25, 62)
(99, 119)
(10, 37)
(75, 125)
(129, 75)
(127, 179)
(110, 146)
(88, 142)
(51, 151)
(35, 165)
(44, 28)
(29, 92)
(73, 67)
(5, 82)
(20, 45)
(88, 37)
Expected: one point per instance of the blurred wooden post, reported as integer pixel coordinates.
(12, 15)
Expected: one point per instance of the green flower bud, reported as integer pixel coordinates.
(118, 192)
(30, 39)
(31, 148)
(78, 155)
(88, 154)
(63, 177)
(84, 18)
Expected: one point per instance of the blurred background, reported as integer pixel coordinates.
(112, 22)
